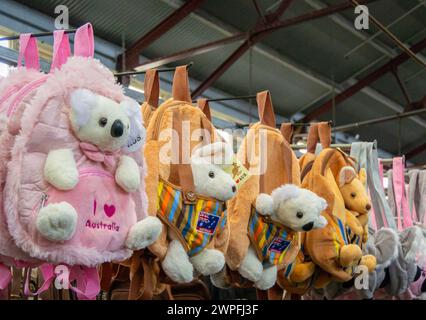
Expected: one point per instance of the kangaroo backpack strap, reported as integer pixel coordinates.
(402, 210)
(203, 104)
(28, 51)
(84, 43)
(142, 276)
(265, 108)
(152, 88)
(181, 172)
(180, 88)
(313, 138)
(61, 49)
(287, 131)
(324, 133)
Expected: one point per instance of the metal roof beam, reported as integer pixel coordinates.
(364, 82)
(253, 38)
(131, 55)
(207, 47)
(415, 151)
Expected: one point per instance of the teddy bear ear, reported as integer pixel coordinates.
(137, 130)
(82, 102)
(346, 175)
(285, 192)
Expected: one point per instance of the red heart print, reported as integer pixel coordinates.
(109, 210)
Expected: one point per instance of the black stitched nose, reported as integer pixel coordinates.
(234, 188)
(117, 129)
(308, 226)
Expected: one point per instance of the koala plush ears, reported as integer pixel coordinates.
(285, 192)
(137, 132)
(346, 175)
(219, 153)
(82, 102)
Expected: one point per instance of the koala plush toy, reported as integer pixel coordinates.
(296, 208)
(210, 179)
(103, 128)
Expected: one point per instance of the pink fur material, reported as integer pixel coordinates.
(9, 88)
(45, 126)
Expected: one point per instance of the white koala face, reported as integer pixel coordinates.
(299, 209)
(100, 121)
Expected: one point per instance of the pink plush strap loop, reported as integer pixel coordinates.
(87, 280)
(5, 276)
(61, 49)
(48, 273)
(84, 43)
(28, 51)
(404, 220)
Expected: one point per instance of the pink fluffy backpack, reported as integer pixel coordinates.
(74, 192)
(16, 91)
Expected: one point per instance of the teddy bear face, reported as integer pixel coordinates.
(299, 209)
(353, 191)
(99, 121)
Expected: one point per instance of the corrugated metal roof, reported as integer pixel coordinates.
(297, 64)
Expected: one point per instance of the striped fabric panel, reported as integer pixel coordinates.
(264, 235)
(188, 220)
(354, 238)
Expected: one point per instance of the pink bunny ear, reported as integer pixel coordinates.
(346, 175)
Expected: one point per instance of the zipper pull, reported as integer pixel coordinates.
(44, 198)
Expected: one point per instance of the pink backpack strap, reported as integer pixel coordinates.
(84, 43)
(404, 219)
(5, 276)
(87, 280)
(61, 49)
(28, 51)
(48, 273)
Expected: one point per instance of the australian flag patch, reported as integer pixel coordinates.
(207, 222)
(278, 245)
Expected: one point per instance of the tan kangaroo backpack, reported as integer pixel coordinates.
(152, 94)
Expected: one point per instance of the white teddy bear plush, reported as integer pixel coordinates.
(210, 180)
(109, 126)
(296, 208)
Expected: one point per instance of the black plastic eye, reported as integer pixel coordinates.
(211, 174)
(299, 215)
(353, 194)
(103, 122)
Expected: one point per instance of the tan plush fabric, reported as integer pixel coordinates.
(266, 146)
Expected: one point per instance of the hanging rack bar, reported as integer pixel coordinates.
(231, 98)
(130, 73)
(37, 35)
(378, 120)
(337, 145)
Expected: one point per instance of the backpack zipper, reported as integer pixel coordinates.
(23, 93)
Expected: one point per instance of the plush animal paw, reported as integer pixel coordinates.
(57, 221)
(127, 174)
(208, 261)
(350, 255)
(251, 268)
(369, 261)
(264, 204)
(60, 169)
(144, 233)
(219, 280)
(302, 272)
(176, 264)
(267, 279)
